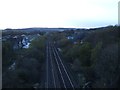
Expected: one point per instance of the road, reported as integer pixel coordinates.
(57, 73)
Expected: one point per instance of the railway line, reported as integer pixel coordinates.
(57, 74)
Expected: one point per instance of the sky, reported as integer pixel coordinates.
(58, 13)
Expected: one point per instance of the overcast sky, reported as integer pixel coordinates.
(58, 13)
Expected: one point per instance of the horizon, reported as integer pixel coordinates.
(59, 27)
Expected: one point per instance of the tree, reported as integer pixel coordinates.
(96, 52)
(85, 54)
(7, 53)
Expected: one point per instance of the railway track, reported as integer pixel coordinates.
(57, 75)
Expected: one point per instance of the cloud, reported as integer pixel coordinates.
(56, 13)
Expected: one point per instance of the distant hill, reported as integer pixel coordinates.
(41, 29)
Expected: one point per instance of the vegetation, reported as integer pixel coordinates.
(23, 67)
(96, 58)
(91, 53)
(8, 53)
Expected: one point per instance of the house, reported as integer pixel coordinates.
(70, 37)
